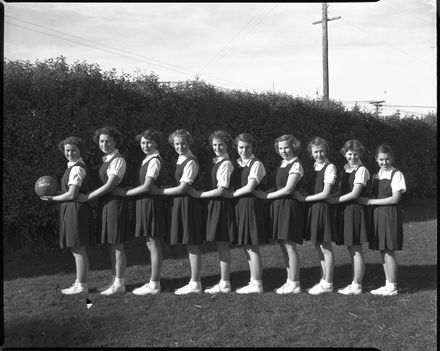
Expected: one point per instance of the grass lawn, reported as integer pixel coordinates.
(36, 315)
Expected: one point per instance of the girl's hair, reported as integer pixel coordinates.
(318, 141)
(246, 138)
(112, 132)
(354, 145)
(223, 136)
(180, 133)
(294, 142)
(72, 140)
(385, 149)
(150, 134)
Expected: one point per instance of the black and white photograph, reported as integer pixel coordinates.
(220, 175)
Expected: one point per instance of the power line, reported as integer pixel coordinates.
(124, 52)
(225, 50)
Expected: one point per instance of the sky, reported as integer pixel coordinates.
(384, 50)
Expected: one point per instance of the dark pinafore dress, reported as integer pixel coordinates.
(186, 214)
(249, 211)
(114, 224)
(386, 225)
(220, 217)
(75, 217)
(286, 213)
(351, 217)
(150, 209)
(320, 221)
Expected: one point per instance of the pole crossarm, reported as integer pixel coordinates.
(328, 19)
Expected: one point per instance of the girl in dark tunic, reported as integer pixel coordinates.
(320, 224)
(351, 220)
(186, 212)
(75, 217)
(249, 211)
(287, 213)
(386, 226)
(150, 209)
(113, 217)
(220, 218)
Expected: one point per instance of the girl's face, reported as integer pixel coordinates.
(106, 144)
(285, 150)
(72, 152)
(244, 150)
(148, 145)
(219, 147)
(384, 161)
(180, 145)
(352, 157)
(318, 153)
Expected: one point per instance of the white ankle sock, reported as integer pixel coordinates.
(355, 285)
(154, 284)
(224, 283)
(119, 282)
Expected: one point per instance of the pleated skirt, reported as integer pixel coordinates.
(150, 217)
(186, 221)
(114, 224)
(351, 224)
(320, 223)
(251, 219)
(287, 219)
(386, 228)
(76, 225)
(220, 220)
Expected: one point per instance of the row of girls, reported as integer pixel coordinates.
(234, 210)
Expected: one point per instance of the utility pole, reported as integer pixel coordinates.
(325, 49)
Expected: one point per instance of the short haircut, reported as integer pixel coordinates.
(385, 149)
(72, 140)
(354, 145)
(294, 142)
(150, 134)
(111, 132)
(180, 133)
(318, 141)
(223, 136)
(246, 138)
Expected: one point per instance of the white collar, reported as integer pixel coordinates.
(245, 163)
(183, 157)
(71, 164)
(320, 165)
(150, 156)
(349, 169)
(288, 162)
(107, 158)
(220, 158)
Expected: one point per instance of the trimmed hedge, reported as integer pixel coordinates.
(44, 102)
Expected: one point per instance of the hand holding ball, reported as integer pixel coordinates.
(46, 186)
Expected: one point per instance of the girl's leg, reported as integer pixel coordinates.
(111, 251)
(358, 263)
(391, 266)
(81, 263)
(195, 261)
(328, 261)
(319, 250)
(358, 268)
(255, 262)
(285, 259)
(117, 255)
(293, 261)
(120, 260)
(225, 260)
(155, 247)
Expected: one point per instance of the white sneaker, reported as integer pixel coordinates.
(288, 288)
(250, 289)
(383, 291)
(350, 290)
(76, 288)
(114, 290)
(189, 288)
(319, 289)
(217, 289)
(146, 290)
